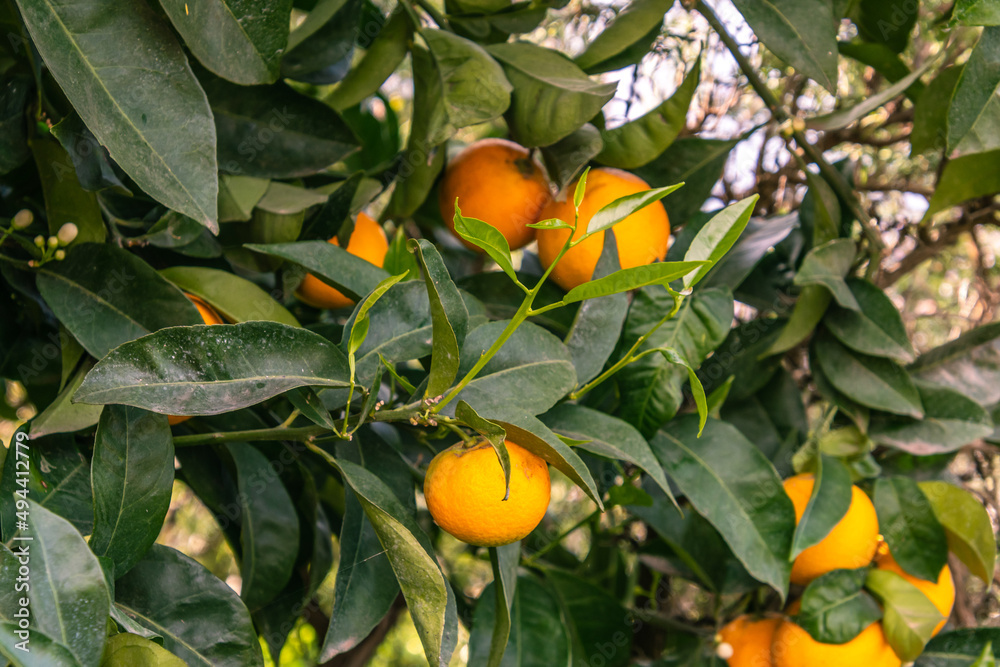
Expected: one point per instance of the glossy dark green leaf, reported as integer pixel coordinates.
(800, 33)
(951, 421)
(639, 141)
(132, 474)
(835, 608)
(552, 96)
(651, 388)
(128, 650)
(65, 199)
(69, 598)
(977, 12)
(208, 370)
(858, 413)
(41, 651)
(771, 417)
(966, 525)
(755, 243)
(269, 534)
(909, 617)
(827, 265)
(493, 433)
(235, 298)
(200, 618)
(717, 236)
(106, 296)
(830, 499)
(630, 27)
(449, 317)
(538, 635)
(812, 304)
(321, 47)
(613, 213)
(487, 237)
(14, 94)
(697, 163)
(598, 624)
(959, 648)
(303, 135)
(626, 280)
(872, 381)
(134, 110)
(533, 370)
(970, 364)
(181, 234)
(64, 416)
(907, 521)
(94, 170)
(565, 158)
(888, 23)
(876, 329)
(350, 274)
(976, 88)
(380, 60)
(504, 561)
(238, 195)
(732, 484)
(239, 40)
(965, 178)
(420, 165)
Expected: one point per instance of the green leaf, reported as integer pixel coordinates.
(240, 41)
(835, 608)
(966, 525)
(732, 484)
(63, 416)
(305, 135)
(639, 141)
(235, 298)
(308, 402)
(398, 259)
(717, 236)
(959, 648)
(964, 178)
(976, 12)
(128, 650)
(533, 370)
(69, 597)
(493, 433)
(449, 317)
(65, 199)
(841, 119)
(132, 475)
(124, 106)
(812, 304)
(799, 33)
(986, 658)
(597, 622)
(466, 85)
(504, 561)
(691, 160)
(876, 329)
(41, 651)
(888, 23)
(106, 296)
(907, 521)
(14, 94)
(360, 324)
(565, 158)
(349, 273)
(951, 421)
(606, 436)
(208, 370)
(380, 60)
(621, 208)
(885, 61)
(552, 96)
(538, 636)
(199, 617)
(909, 617)
(770, 418)
(930, 112)
(829, 502)
(429, 597)
(977, 87)
(238, 195)
(872, 381)
(630, 27)
(320, 49)
(626, 280)
(651, 387)
(970, 364)
(487, 237)
(827, 265)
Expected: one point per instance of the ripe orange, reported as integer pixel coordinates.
(750, 639)
(368, 241)
(496, 181)
(942, 593)
(211, 317)
(850, 545)
(642, 237)
(794, 647)
(464, 489)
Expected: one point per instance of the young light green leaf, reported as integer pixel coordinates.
(494, 434)
(581, 188)
(717, 236)
(909, 617)
(976, 12)
(487, 237)
(966, 525)
(551, 223)
(697, 390)
(621, 208)
(626, 280)
(359, 328)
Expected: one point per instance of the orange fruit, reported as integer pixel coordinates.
(941, 593)
(464, 489)
(496, 181)
(750, 639)
(642, 237)
(368, 241)
(211, 317)
(794, 647)
(850, 545)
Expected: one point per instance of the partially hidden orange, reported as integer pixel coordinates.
(794, 647)
(749, 641)
(368, 241)
(941, 592)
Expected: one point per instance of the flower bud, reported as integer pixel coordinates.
(60, 254)
(23, 219)
(53, 242)
(40, 241)
(67, 233)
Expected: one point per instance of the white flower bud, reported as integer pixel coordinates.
(23, 219)
(67, 233)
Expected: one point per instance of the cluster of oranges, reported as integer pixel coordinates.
(497, 181)
(776, 640)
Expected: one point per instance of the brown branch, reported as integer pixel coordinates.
(947, 237)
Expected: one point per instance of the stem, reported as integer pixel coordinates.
(302, 434)
(554, 543)
(291, 418)
(437, 16)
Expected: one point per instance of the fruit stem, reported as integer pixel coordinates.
(301, 434)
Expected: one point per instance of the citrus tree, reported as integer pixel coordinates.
(367, 277)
